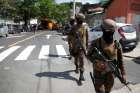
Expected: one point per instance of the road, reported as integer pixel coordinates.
(38, 63)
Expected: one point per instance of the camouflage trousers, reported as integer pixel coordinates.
(79, 63)
(79, 60)
(103, 82)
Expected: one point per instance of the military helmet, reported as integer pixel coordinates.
(108, 24)
(80, 16)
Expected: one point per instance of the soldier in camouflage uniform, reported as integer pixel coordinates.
(68, 29)
(79, 44)
(103, 74)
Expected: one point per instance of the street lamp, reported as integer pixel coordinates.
(74, 5)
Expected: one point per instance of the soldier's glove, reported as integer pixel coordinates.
(124, 78)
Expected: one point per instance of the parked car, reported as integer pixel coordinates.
(3, 30)
(128, 36)
(125, 34)
(94, 33)
(14, 29)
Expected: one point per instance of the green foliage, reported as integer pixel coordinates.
(61, 11)
(26, 9)
(7, 8)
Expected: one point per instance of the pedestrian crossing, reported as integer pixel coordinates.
(44, 53)
(25, 53)
(1, 47)
(60, 50)
(7, 52)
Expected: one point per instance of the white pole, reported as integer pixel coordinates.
(74, 5)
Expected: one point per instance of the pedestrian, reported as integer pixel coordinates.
(79, 43)
(103, 73)
(34, 28)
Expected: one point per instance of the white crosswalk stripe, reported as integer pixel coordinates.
(44, 52)
(1, 47)
(25, 53)
(60, 50)
(48, 36)
(7, 52)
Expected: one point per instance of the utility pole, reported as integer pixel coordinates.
(74, 7)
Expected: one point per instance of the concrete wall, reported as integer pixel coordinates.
(118, 8)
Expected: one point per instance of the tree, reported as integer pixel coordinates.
(46, 7)
(7, 9)
(26, 9)
(61, 11)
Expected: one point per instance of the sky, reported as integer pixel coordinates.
(83, 1)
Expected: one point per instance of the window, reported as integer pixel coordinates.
(128, 29)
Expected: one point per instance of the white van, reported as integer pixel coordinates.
(3, 30)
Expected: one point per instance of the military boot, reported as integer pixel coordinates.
(70, 57)
(81, 76)
(77, 68)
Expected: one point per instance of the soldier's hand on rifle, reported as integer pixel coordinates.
(124, 78)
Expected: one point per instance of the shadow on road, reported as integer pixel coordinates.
(62, 56)
(127, 50)
(137, 60)
(59, 75)
(60, 34)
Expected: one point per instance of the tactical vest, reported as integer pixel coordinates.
(79, 33)
(82, 33)
(112, 53)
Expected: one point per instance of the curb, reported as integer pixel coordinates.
(135, 89)
(129, 56)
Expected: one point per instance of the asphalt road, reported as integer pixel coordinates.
(38, 63)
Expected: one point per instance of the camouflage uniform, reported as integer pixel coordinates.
(68, 30)
(104, 77)
(79, 30)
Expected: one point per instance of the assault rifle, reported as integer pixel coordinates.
(114, 66)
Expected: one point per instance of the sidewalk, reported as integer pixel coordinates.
(135, 89)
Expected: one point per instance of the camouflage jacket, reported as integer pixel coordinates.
(113, 51)
(82, 33)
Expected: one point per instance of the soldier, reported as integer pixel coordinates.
(68, 29)
(79, 44)
(103, 74)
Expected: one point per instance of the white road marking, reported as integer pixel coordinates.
(15, 36)
(44, 53)
(6, 68)
(25, 54)
(7, 52)
(1, 47)
(24, 39)
(60, 50)
(48, 36)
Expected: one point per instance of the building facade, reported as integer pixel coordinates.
(94, 14)
(125, 11)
